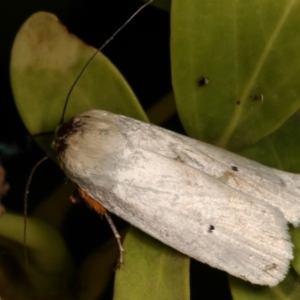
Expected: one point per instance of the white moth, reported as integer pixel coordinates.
(213, 205)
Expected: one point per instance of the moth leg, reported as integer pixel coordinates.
(118, 238)
(100, 209)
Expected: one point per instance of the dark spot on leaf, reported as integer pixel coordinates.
(203, 81)
(238, 102)
(257, 97)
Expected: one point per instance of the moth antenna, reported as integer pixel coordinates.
(26, 204)
(92, 57)
(117, 236)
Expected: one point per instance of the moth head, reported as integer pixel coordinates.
(63, 132)
(88, 139)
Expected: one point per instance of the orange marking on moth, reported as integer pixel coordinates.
(91, 202)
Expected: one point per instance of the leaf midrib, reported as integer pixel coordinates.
(236, 117)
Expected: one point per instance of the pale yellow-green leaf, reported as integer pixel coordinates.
(45, 61)
(151, 271)
(235, 73)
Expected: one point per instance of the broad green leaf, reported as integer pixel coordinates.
(155, 264)
(235, 70)
(280, 149)
(45, 62)
(248, 51)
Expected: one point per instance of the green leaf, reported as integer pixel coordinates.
(159, 272)
(45, 62)
(280, 149)
(235, 72)
(248, 51)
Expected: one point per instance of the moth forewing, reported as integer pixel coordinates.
(278, 188)
(173, 188)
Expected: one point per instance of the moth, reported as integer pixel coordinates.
(210, 204)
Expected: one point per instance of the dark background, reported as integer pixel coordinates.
(141, 53)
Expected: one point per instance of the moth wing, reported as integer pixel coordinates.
(198, 215)
(135, 174)
(278, 188)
